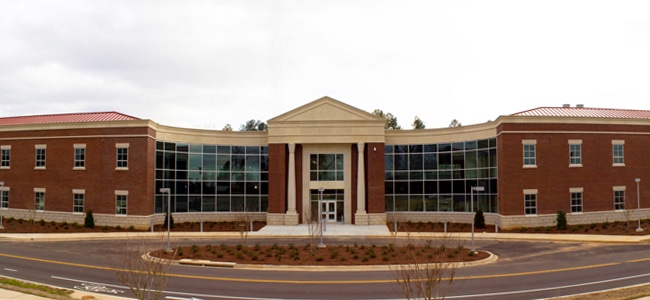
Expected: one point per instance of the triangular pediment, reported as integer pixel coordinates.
(325, 109)
(326, 120)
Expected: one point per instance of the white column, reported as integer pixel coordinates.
(291, 181)
(361, 182)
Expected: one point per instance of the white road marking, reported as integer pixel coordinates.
(10, 270)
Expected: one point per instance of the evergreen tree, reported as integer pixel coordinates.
(89, 220)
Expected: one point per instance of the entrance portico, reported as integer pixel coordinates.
(330, 145)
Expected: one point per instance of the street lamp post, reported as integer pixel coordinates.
(638, 203)
(2, 184)
(477, 189)
(320, 216)
(169, 213)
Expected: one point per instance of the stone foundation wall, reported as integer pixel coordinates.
(511, 222)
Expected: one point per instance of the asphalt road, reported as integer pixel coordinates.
(525, 270)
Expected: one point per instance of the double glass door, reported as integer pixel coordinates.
(328, 209)
(331, 205)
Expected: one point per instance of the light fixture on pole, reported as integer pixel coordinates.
(320, 216)
(638, 204)
(477, 189)
(169, 213)
(2, 184)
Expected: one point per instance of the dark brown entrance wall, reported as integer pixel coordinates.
(278, 166)
(375, 198)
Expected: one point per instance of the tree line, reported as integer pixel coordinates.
(390, 123)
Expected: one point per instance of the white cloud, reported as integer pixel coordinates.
(206, 63)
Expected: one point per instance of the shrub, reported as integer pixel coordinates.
(42, 222)
(89, 220)
(479, 219)
(105, 228)
(77, 225)
(179, 251)
(131, 228)
(171, 220)
(560, 220)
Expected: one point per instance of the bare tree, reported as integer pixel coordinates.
(30, 204)
(144, 275)
(244, 221)
(313, 225)
(417, 278)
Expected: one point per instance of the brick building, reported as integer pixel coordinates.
(520, 169)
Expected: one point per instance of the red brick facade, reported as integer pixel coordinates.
(553, 177)
(99, 179)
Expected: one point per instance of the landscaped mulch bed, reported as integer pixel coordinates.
(429, 252)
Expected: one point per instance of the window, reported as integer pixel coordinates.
(40, 156)
(122, 156)
(5, 161)
(326, 167)
(4, 197)
(78, 201)
(529, 153)
(576, 200)
(575, 153)
(619, 198)
(617, 153)
(39, 199)
(121, 202)
(79, 156)
(530, 202)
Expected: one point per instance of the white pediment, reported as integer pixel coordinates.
(326, 120)
(325, 109)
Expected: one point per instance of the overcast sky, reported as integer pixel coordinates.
(205, 64)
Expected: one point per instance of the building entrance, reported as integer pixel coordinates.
(331, 205)
(328, 210)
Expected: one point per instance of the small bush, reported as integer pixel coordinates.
(41, 222)
(560, 220)
(171, 220)
(131, 228)
(479, 219)
(179, 251)
(89, 220)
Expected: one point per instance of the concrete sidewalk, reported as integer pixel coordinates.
(331, 230)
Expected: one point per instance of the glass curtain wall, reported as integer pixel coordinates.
(209, 178)
(439, 177)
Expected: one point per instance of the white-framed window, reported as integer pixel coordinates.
(619, 197)
(40, 156)
(4, 197)
(121, 202)
(618, 151)
(575, 153)
(530, 156)
(326, 167)
(530, 202)
(5, 157)
(79, 157)
(576, 199)
(39, 199)
(78, 197)
(122, 158)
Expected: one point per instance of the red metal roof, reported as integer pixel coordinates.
(67, 118)
(585, 112)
